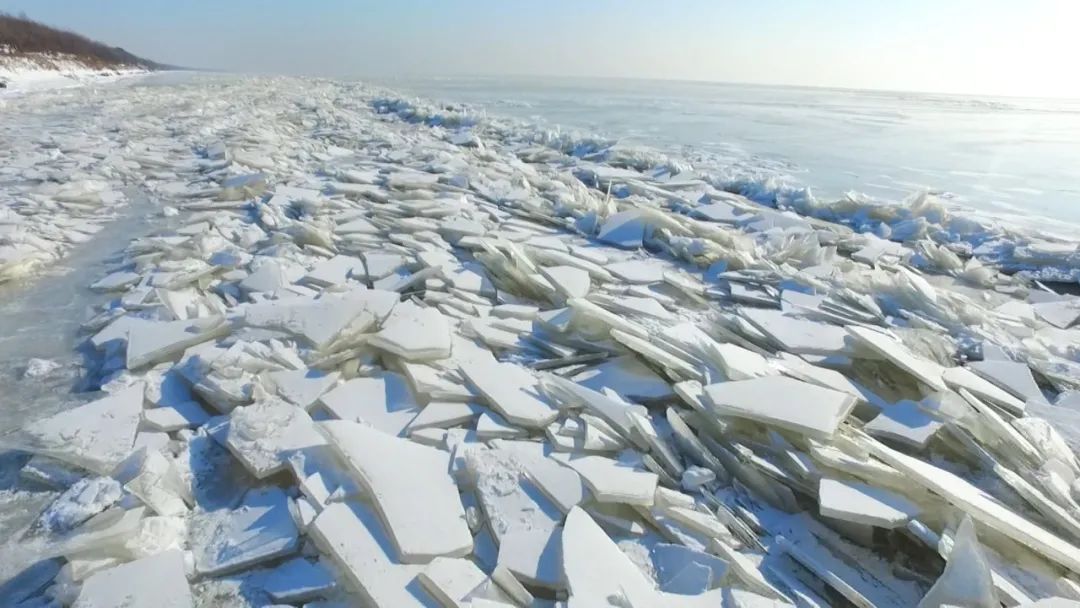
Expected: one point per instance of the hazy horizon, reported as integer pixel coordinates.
(991, 48)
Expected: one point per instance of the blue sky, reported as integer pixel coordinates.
(1006, 47)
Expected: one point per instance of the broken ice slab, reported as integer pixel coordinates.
(864, 504)
(568, 281)
(515, 311)
(473, 278)
(887, 347)
(444, 415)
(297, 580)
(378, 266)
(335, 271)
(808, 559)
(694, 579)
(784, 402)
(1013, 377)
(168, 418)
(300, 387)
(84, 499)
(511, 390)
(384, 401)
(437, 384)
(672, 364)
(612, 481)
(450, 581)
(799, 336)
(559, 484)
(242, 186)
(51, 472)
(962, 377)
(507, 498)
(156, 341)
(647, 305)
(967, 579)
(493, 426)
(157, 581)
(151, 477)
(116, 281)
(96, 436)
(411, 488)
(628, 376)
(671, 561)
(1019, 447)
(981, 506)
(800, 369)
(612, 320)
(268, 276)
(260, 529)
(323, 320)
(264, 435)
(625, 229)
(414, 333)
(1061, 314)
(904, 422)
(639, 272)
(322, 477)
(596, 570)
(352, 536)
(357, 225)
(718, 211)
(534, 556)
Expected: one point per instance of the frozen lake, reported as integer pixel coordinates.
(289, 291)
(1013, 159)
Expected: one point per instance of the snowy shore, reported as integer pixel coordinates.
(395, 354)
(21, 76)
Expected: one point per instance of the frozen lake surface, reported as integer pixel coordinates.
(1013, 159)
(267, 340)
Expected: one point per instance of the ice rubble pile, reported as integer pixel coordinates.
(384, 363)
(73, 158)
(960, 233)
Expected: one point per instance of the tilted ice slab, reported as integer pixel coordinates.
(96, 436)
(511, 391)
(158, 581)
(153, 342)
(384, 402)
(410, 487)
(321, 321)
(924, 370)
(981, 507)
(353, 538)
(264, 435)
(864, 504)
(414, 333)
(260, 529)
(785, 402)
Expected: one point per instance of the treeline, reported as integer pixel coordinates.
(22, 35)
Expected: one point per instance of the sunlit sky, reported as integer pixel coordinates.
(988, 47)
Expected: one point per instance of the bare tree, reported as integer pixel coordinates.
(23, 35)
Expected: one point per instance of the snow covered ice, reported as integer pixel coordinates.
(372, 351)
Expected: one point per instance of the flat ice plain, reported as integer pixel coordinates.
(331, 346)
